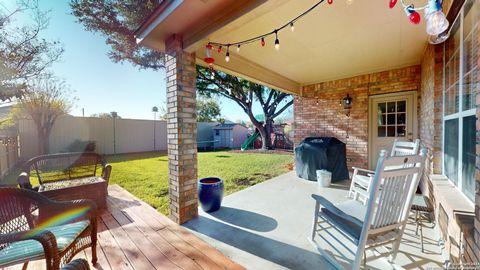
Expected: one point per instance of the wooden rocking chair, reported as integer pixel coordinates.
(382, 219)
(361, 178)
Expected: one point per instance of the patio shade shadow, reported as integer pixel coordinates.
(245, 219)
(275, 251)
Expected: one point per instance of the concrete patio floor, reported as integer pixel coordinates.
(267, 226)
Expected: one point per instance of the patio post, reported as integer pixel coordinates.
(181, 130)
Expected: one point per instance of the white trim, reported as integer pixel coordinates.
(169, 10)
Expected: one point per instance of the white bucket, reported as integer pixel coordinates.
(324, 178)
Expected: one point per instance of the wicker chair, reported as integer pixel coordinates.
(33, 227)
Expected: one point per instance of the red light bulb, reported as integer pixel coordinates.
(262, 42)
(414, 17)
(219, 50)
(330, 2)
(392, 3)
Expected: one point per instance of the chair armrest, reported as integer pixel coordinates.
(106, 171)
(24, 181)
(335, 210)
(46, 239)
(363, 170)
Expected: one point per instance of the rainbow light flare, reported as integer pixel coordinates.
(59, 219)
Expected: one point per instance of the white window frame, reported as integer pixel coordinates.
(460, 114)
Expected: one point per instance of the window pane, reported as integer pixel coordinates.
(401, 106)
(391, 131)
(453, 43)
(391, 119)
(391, 107)
(451, 100)
(382, 107)
(401, 119)
(401, 131)
(451, 150)
(381, 132)
(468, 156)
(470, 84)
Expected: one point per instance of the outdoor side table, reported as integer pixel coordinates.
(421, 205)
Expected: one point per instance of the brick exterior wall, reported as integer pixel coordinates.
(181, 130)
(318, 111)
(431, 111)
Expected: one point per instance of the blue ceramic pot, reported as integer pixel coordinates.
(210, 193)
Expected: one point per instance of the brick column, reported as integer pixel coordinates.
(182, 131)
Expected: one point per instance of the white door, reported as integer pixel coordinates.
(392, 116)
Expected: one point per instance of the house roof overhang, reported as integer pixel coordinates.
(332, 42)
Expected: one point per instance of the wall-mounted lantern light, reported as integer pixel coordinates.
(347, 104)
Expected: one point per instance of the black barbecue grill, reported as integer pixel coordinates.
(321, 153)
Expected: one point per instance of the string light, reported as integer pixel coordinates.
(227, 56)
(277, 42)
(413, 15)
(262, 37)
(436, 22)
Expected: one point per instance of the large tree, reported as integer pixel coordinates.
(45, 99)
(245, 93)
(208, 110)
(24, 55)
(118, 19)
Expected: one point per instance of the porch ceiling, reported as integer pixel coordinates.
(332, 42)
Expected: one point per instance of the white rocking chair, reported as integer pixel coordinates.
(361, 178)
(380, 221)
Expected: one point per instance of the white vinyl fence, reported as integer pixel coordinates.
(111, 136)
(8, 153)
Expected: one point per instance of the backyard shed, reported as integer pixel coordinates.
(230, 135)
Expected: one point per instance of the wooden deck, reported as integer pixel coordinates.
(133, 235)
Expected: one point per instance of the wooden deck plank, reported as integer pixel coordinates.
(113, 253)
(143, 243)
(149, 215)
(162, 244)
(196, 246)
(132, 235)
(102, 262)
(133, 254)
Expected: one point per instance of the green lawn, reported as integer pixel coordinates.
(145, 174)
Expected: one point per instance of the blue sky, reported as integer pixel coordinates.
(101, 85)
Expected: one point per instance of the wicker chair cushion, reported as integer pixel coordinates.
(22, 251)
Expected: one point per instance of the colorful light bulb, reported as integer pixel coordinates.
(262, 42)
(414, 17)
(392, 3)
(330, 2)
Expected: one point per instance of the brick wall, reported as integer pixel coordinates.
(318, 111)
(181, 130)
(431, 111)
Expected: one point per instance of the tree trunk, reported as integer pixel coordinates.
(43, 142)
(266, 143)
